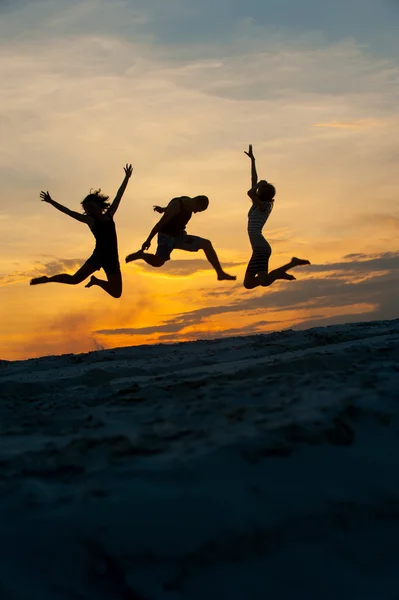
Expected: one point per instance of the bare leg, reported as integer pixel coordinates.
(83, 273)
(281, 272)
(213, 259)
(150, 259)
(113, 286)
(251, 280)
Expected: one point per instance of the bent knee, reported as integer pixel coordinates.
(157, 261)
(116, 292)
(250, 282)
(206, 244)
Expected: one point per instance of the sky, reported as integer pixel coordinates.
(179, 88)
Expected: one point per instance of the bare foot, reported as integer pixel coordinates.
(287, 276)
(38, 280)
(277, 274)
(92, 281)
(296, 262)
(134, 256)
(226, 277)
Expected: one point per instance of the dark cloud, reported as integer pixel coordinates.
(208, 19)
(355, 256)
(173, 326)
(5, 4)
(317, 321)
(362, 263)
(258, 327)
(194, 23)
(226, 333)
(61, 265)
(15, 5)
(379, 289)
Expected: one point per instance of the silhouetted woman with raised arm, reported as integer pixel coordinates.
(98, 215)
(262, 195)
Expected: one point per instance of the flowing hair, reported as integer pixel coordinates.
(98, 198)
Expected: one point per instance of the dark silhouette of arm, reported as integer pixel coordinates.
(115, 204)
(254, 181)
(160, 209)
(45, 196)
(255, 199)
(254, 175)
(171, 210)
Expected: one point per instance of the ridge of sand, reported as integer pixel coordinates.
(235, 468)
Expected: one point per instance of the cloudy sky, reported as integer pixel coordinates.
(179, 88)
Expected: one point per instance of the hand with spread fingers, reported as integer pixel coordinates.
(45, 196)
(128, 170)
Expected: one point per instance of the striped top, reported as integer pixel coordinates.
(256, 221)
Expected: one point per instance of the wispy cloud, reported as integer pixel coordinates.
(53, 267)
(356, 124)
(387, 261)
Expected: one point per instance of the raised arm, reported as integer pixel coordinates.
(256, 200)
(115, 204)
(45, 196)
(171, 210)
(254, 175)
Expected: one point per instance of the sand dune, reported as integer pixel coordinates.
(241, 468)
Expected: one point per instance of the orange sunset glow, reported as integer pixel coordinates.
(89, 86)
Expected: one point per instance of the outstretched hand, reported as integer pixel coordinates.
(249, 153)
(45, 196)
(128, 170)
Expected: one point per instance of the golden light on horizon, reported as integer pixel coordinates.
(78, 104)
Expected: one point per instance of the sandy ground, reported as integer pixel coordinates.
(236, 469)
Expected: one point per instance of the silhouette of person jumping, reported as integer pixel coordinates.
(98, 215)
(262, 195)
(172, 235)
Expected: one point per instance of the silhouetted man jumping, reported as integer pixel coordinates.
(171, 230)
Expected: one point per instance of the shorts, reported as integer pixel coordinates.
(110, 262)
(167, 243)
(259, 262)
